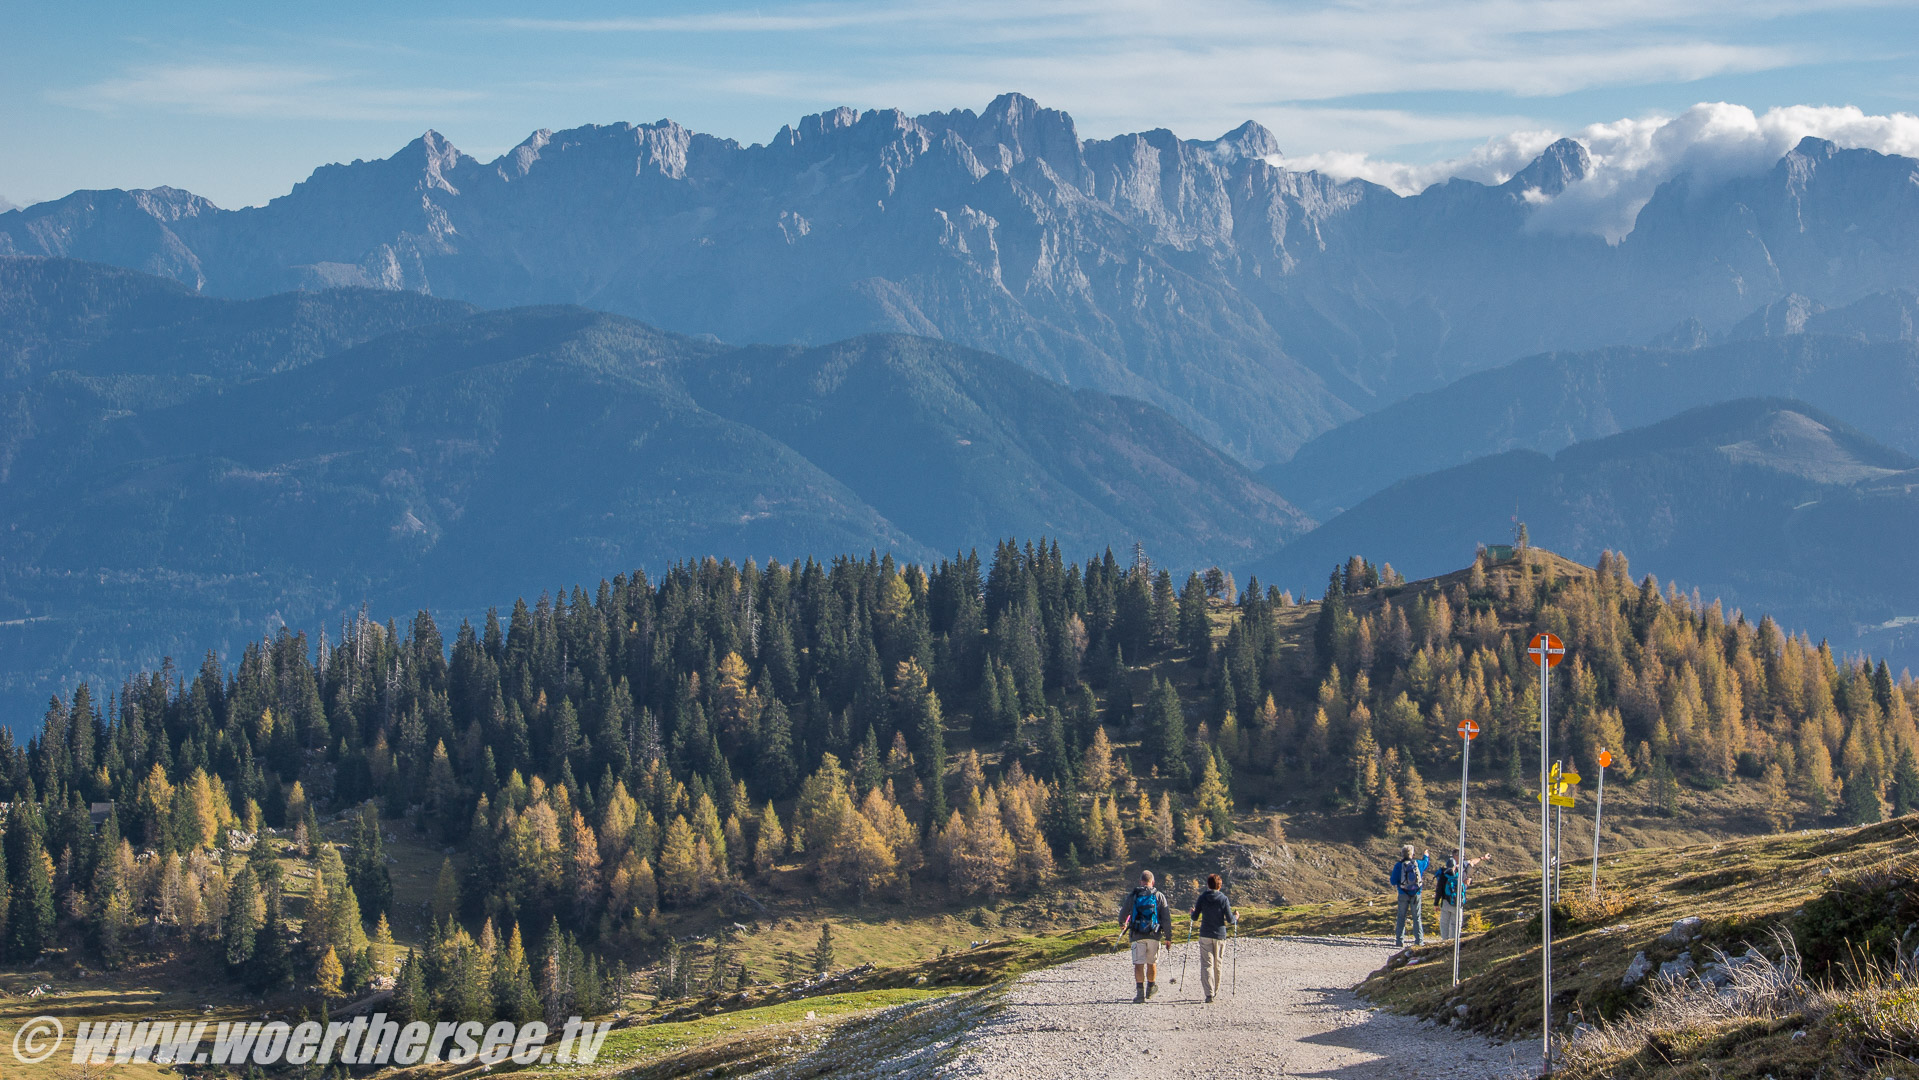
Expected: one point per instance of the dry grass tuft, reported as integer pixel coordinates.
(1760, 988)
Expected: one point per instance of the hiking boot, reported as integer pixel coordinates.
(1209, 999)
(1151, 989)
(1139, 993)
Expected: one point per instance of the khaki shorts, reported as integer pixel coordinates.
(1146, 951)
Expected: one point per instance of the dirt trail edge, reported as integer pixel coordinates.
(1295, 1014)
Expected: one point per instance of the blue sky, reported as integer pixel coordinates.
(238, 102)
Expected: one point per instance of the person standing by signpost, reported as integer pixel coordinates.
(1450, 887)
(1409, 881)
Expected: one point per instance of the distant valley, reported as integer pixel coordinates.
(216, 467)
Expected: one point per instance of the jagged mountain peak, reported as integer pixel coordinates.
(1812, 146)
(1250, 140)
(1564, 162)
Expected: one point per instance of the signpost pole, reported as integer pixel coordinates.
(1599, 808)
(1543, 647)
(1467, 729)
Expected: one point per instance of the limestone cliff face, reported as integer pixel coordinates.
(1258, 305)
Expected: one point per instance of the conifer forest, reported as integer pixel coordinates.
(601, 760)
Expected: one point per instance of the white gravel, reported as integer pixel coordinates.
(1294, 1014)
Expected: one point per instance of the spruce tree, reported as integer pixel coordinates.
(823, 950)
(1166, 733)
(372, 884)
(411, 1002)
(1905, 784)
(245, 913)
(1860, 800)
(272, 966)
(31, 913)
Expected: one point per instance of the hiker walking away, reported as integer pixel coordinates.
(1409, 879)
(1214, 913)
(1447, 886)
(1148, 920)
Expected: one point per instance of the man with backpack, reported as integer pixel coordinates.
(1448, 884)
(1214, 913)
(1148, 920)
(1409, 879)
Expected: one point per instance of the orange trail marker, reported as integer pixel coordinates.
(1548, 647)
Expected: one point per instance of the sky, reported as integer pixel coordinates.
(237, 102)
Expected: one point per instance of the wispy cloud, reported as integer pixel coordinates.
(1711, 142)
(1268, 50)
(255, 89)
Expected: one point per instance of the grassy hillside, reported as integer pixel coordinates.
(1839, 905)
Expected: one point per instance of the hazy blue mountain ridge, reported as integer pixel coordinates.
(466, 458)
(1256, 304)
(1547, 402)
(1770, 504)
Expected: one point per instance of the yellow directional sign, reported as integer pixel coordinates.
(1561, 800)
(1568, 779)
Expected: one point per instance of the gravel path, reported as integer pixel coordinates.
(1295, 1015)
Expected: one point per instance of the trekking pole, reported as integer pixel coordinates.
(1235, 959)
(1184, 955)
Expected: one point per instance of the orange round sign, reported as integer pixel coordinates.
(1605, 758)
(1547, 646)
(1468, 729)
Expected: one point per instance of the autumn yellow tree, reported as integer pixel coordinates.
(771, 842)
(680, 868)
(1096, 765)
(979, 854)
(328, 975)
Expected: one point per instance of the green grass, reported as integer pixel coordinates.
(656, 1044)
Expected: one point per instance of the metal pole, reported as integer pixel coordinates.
(1459, 896)
(1559, 846)
(1599, 807)
(1545, 874)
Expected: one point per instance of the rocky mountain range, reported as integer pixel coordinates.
(1258, 305)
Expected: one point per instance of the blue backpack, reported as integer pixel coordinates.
(1145, 911)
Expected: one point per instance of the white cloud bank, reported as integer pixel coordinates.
(1713, 141)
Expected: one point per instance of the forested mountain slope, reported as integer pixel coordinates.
(609, 765)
